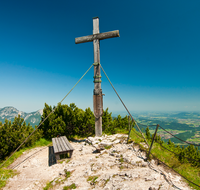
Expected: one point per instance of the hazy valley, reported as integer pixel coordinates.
(185, 125)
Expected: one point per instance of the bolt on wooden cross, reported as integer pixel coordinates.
(97, 97)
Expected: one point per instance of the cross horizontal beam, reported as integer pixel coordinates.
(99, 36)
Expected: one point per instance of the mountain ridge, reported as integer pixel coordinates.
(10, 112)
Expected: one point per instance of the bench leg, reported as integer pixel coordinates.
(70, 153)
(57, 157)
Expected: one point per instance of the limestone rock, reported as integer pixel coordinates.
(105, 162)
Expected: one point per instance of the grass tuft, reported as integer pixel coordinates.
(108, 147)
(67, 173)
(92, 179)
(72, 186)
(49, 185)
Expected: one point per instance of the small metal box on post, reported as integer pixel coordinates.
(97, 93)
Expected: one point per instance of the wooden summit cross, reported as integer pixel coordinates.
(97, 97)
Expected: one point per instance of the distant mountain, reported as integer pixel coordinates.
(10, 113)
(186, 115)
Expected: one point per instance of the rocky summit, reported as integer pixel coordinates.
(105, 162)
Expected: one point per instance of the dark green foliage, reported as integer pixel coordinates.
(121, 123)
(13, 134)
(190, 154)
(171, 144)
(110, 125)
(150, 137)
(107, 123)
(67, 120)
(72, 121)
(182, 154)
(158, 139)
(148, 134)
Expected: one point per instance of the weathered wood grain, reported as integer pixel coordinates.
(67, 142)
(54, 145)
(100, 36)
(58, 145)
(97, 97)
(97, 85)
(61, 144)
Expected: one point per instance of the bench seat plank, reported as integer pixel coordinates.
(61, 145)
(54, 145)
(58, 145)
(67, 148)
(67, 142)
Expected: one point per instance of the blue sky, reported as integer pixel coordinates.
(154, 64)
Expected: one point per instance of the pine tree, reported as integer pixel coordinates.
(148, 134)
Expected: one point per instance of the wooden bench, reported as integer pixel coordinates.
(62, 146)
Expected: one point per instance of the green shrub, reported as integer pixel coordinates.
(13, 134)
(67, 120)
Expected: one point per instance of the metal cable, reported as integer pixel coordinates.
(146, 125)
(27, 158)
(169, 166)
(45, 118)
(169, 181)
(179, 138)
(76, 83)
(174, 170)
(176, 153)
(124, 104)
(138, 134)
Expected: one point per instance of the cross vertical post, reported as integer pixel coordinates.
(97, 93)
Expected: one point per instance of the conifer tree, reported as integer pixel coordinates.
(148, 134)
